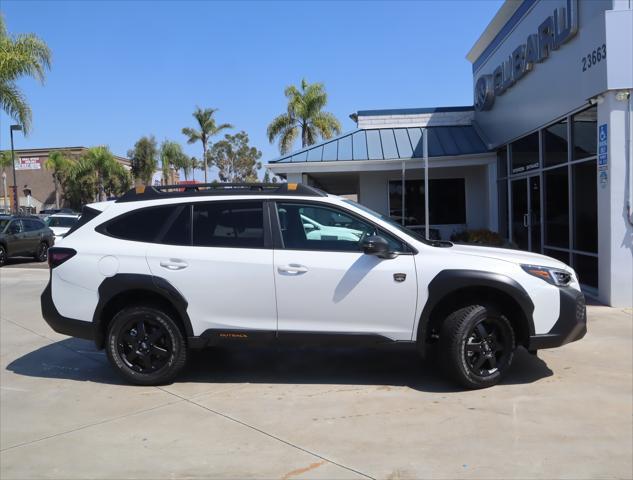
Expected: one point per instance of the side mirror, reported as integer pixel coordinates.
(376, 245)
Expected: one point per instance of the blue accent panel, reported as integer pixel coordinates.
(389, 149)
(449, 145)
(345, 148)
(330, 151)
(403, 142)
(315, 154)
(374, 146)
(436, 149)
(503, 33)
(415, 134)
(359, 143)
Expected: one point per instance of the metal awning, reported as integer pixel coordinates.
(391, 143)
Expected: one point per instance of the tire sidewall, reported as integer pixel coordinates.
(3, 257)
(176, 359)
(42, 255)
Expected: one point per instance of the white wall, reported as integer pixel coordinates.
(615, 233)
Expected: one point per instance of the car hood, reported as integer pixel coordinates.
(509, 255)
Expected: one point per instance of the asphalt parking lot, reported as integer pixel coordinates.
(308, 413)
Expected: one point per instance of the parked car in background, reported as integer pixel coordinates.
(60, 223)
(53, 211)
(22, 236)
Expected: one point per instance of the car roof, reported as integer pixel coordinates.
(71, 215)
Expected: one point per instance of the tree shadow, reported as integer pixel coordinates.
(389, 365)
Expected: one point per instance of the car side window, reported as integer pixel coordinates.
(143, 225)
(15, 227)
(320, 227)
(237, 224)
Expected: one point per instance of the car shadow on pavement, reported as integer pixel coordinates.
(382, 366)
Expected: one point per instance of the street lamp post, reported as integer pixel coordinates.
(15, 183)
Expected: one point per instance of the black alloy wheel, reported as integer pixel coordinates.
(144, 345)
(3, 256)
(488, 347)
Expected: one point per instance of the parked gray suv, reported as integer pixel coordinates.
(22, 236)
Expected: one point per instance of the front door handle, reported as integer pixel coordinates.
(174, 264)
(293, 269)
(526, 220)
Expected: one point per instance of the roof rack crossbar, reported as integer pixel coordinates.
(204, 189)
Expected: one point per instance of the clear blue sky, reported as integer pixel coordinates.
(126, 69)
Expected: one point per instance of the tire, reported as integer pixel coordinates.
(477, 346)
(3, 255)
(41, 254)
(146, 346)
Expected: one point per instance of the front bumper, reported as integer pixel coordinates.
(61, 324)
(571, 324)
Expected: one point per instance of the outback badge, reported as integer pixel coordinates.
(399, 277)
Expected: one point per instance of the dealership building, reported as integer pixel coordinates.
(543, 156)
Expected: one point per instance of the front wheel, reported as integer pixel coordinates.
(477, 344)
(146, 346)
(3, 256)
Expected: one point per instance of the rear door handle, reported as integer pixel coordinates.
(293, 268)
(174, 264)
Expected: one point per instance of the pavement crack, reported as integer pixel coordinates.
(270, 435)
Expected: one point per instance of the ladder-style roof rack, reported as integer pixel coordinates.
(156, 192)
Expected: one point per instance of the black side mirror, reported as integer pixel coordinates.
(376, 245)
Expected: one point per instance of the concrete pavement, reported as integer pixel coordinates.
(308, 413)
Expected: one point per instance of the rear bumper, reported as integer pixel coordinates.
(61, 324)
(571, 324)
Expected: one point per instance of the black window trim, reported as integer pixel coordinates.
(278, 238)
(268, 242)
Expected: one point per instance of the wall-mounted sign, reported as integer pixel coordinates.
(28, 163)
(553, 32)
(603, 155)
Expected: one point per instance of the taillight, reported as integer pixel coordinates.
(58, 255)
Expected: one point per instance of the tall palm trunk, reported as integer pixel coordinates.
(305, 141)
(57, 198)
(204, 159)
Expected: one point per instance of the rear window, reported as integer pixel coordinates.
(62, 222)
(233, 224)
(30, 225)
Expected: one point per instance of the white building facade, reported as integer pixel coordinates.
(543, 157)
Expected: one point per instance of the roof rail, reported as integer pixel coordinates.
(205, 189)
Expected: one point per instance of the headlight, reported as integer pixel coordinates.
(553, 276)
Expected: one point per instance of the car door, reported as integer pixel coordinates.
(326, 284)
(33, 231)
(16, 243)
(222, 264)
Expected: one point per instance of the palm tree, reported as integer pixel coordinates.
(143, 159)
(58, 162)
(305, 117)
(100, 161)
(207, 128)
(22, 55)
(171, 155)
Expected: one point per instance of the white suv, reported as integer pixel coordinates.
(166, 269)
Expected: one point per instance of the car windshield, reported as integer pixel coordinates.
(65, 222)
(3, 223)
(391, 222)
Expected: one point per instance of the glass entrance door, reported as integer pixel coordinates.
(526, 213)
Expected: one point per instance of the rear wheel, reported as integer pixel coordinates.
(477, 345)
(146, 346)
(41, 254)
(3, 256)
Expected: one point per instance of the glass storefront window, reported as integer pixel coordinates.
(587, 269)
(502, 192)
(556, 207)
(525, 153)
(584, 133)
(502, 162)
(561, 255)
(585, 202)
(555, 144)
(447, 201)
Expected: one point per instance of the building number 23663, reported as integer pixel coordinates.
(594, 57)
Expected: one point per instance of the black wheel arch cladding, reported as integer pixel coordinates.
(451, 282)
(123, 284)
